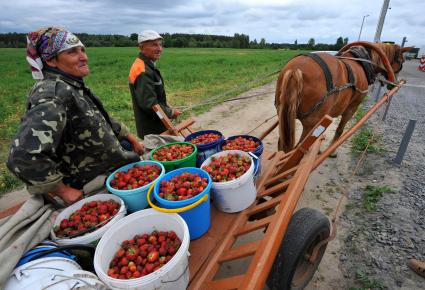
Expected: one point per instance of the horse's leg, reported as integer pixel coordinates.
(345, 117)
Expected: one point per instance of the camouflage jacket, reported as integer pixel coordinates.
(147, 89)
(65, 135)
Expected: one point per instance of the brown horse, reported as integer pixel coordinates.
(311, 86)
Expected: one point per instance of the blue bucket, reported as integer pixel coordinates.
(205, 150)
(195, 211)
(44, 247)
(134, 199)
(257, 152)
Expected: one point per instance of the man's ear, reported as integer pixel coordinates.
(52, 62)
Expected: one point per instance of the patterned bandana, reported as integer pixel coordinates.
(45, 44)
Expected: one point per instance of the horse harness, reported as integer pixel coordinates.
(331, 89)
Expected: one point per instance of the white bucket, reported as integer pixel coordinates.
(174, 275)
(235, 195)
(92, 236)
(36, 275)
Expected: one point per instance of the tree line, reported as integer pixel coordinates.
(18, 40)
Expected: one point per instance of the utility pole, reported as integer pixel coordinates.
(404, 41)
(381, 21)
(361, 27)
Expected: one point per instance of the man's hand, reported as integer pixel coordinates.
(176, 113)
(138, 147)
(68, 194)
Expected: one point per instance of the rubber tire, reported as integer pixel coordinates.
(306, 226)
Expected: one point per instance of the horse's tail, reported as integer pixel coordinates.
(287, 104)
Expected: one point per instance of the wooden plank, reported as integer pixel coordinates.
(11, 210)
(165, 120)
(258, 224)
(279, 177)
(274, 189)
(304, 146)
(223, 284)
(263, 206)
(261, 263)
(239, 252)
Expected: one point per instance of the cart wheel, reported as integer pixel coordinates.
(291, 268)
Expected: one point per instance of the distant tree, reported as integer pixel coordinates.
(311, 43)
(339, 43)
(134, 36)
(262, 43)
(346, 41)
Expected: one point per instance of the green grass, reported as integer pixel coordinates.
(191, 76)
(372, 194)
(366, 283)
(363, 139)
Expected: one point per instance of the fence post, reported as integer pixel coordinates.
(378, 92)
(405, 141)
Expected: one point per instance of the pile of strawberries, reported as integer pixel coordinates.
(173, 152)
(143, 254)
(135, 177)
(183, 186)
(241, 143)
(227, 167)
(205, 138)
(88, 216)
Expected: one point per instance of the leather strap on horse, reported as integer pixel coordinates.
(329, 83)
(362, 53)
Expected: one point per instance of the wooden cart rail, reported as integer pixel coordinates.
(278, 191)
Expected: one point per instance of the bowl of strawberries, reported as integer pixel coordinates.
(246, 143)
(186, 191)
(233, 187)
(85, 221)
(145, 250)
(132, 181)
(208, 143)
(175, 155)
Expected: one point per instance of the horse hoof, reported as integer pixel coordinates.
(333, 155)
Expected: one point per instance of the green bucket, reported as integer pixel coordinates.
(189, 161)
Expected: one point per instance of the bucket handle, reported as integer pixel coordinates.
(174, 210)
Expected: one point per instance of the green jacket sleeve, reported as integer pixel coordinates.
(33, 151)
(145, 95)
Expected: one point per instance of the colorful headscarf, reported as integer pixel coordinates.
(45, 44)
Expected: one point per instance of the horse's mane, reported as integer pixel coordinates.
(390, 50)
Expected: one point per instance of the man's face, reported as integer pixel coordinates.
(152, 49)
(73, 61)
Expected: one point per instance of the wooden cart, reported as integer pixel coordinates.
(287, 248)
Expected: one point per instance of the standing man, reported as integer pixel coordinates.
(147, 86)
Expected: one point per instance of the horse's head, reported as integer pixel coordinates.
(395, 55)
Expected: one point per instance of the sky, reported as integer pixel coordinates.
(279, 21)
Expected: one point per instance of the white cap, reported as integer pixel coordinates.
(147, 35)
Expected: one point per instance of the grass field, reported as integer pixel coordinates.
(190, 75)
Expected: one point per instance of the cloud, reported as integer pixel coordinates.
(274, 20)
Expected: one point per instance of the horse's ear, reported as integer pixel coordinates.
(406, 49)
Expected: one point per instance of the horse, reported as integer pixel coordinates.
(313, 85)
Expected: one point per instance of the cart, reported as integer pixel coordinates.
(288, 246)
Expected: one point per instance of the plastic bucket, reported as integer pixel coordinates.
(134, 199)
(94, 236)
(173, 275)
(257, 152)
(188, 161)
(205, 150)
(195, 211)
(44, 247)
(39, 273)
(235, 195)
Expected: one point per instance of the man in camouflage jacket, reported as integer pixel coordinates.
(66, 138)
(147, 86)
